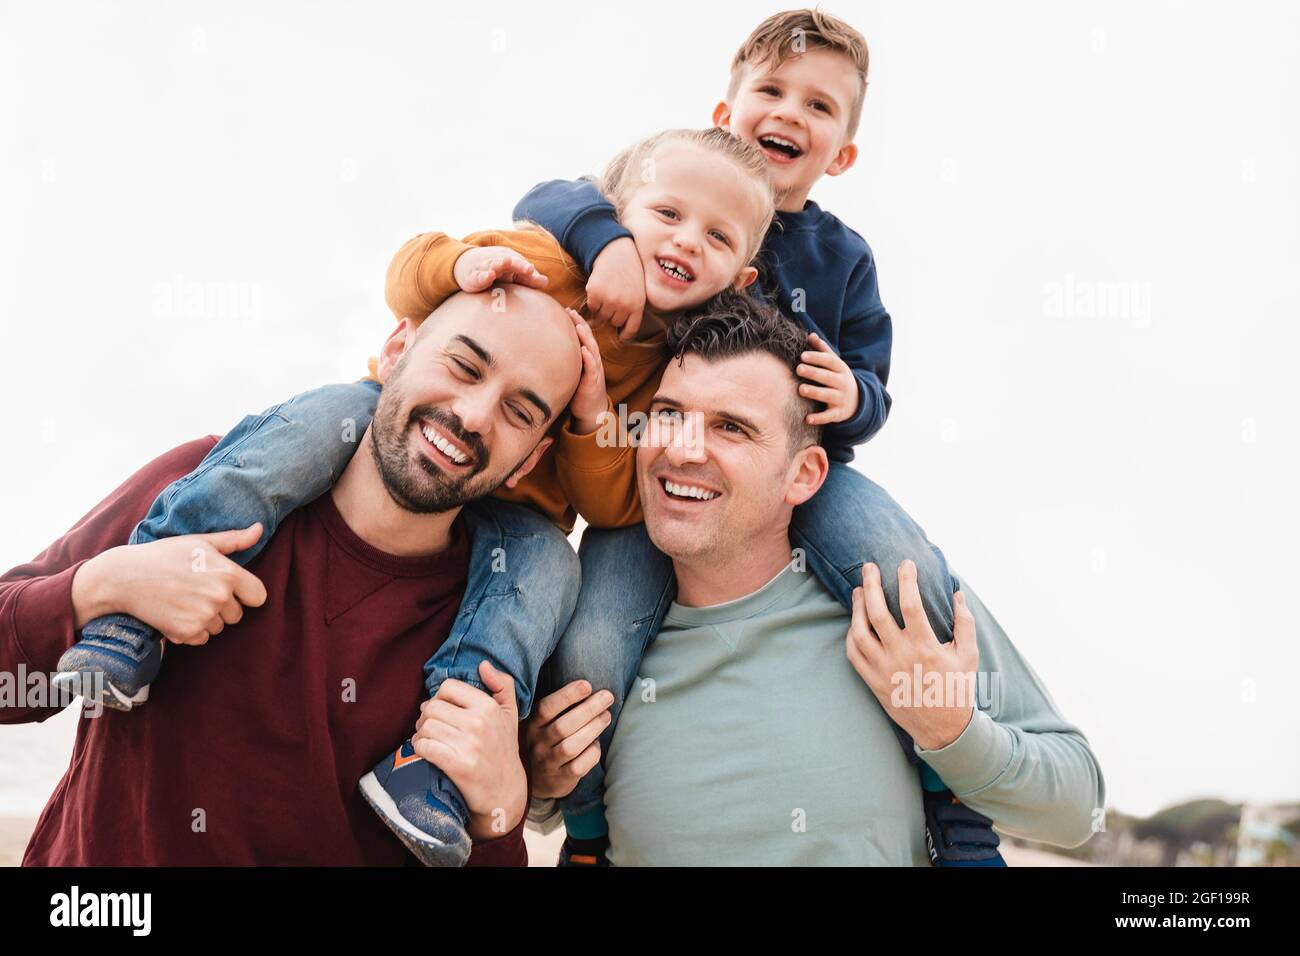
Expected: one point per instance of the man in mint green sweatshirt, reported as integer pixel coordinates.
(758, 730)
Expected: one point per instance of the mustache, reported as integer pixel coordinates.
(451, 422)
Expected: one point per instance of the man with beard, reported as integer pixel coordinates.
(250, 750)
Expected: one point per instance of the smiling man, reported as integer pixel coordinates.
(765, 721)
(250, 749)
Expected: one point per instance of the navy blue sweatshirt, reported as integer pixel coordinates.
(814, 268)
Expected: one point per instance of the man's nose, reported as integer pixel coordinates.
(475, 409)
(687, 444)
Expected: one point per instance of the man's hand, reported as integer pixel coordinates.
(836, 387)
(591, 401)
(184, 587)
(616, 287)
(561, 737)
(886, 658)
(476, 269)
(474, 740)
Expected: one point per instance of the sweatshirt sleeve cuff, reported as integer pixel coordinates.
(590, 234)
(591, 453)
(43, 619)
(976, 759)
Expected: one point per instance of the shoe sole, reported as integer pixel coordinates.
(423, 846)
(111, 696)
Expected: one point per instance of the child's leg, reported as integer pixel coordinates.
(521, 590)
(523, 584)
(265, 467)
(627, 586)
(850, 521)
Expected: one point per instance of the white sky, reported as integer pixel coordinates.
(1087, 228)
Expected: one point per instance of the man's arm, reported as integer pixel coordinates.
(1019, 762)
(38, 613)
(577, 214)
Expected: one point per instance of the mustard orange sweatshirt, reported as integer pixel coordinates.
(576, 475)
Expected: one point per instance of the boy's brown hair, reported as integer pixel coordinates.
(792, 32)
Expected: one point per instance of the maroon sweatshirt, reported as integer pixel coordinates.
(247, 751)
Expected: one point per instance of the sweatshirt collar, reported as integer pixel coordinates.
(742, 608)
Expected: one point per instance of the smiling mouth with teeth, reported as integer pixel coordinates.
(457, 456)
(781, 145)
(677, 271)
(676, 490)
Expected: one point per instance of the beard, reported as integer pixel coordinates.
(414, 482)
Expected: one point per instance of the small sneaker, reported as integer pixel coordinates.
(114, 662)
(584, 853)
(421, 805)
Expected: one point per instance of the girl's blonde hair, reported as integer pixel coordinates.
(633, 168)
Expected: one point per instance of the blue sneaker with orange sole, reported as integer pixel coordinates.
(421, 805)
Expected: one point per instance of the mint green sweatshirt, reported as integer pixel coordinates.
(748, 739)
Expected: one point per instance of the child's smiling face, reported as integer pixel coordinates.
(694, 225)
(797, 114)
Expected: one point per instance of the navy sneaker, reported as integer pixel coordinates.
(421, 805)
(956, 835)
(114, 662)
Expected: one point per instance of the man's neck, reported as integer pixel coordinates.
(709, 579)
(372, 514)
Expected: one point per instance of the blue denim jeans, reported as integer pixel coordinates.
(523, 575)
(628, 584)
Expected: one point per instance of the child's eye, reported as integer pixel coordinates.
(819, 105)
(721, 237)
(667, 212)
(769, 89)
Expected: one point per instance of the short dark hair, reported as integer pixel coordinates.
(734, 323)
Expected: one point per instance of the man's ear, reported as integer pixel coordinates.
(844, 160)
(395, 346)
(722, 115)
(807, 473)
(529, 463)
(747, 276)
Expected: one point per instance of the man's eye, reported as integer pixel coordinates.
(465, 367)
(667, 413)
(733, 428)
(520, 415)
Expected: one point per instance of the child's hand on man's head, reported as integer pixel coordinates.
(836, 387)
(616, 287)
(590, 402)
(476, 269)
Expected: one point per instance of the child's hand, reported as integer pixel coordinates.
(616, 287)
(837, 388)
(590, 402)
(476, 269)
